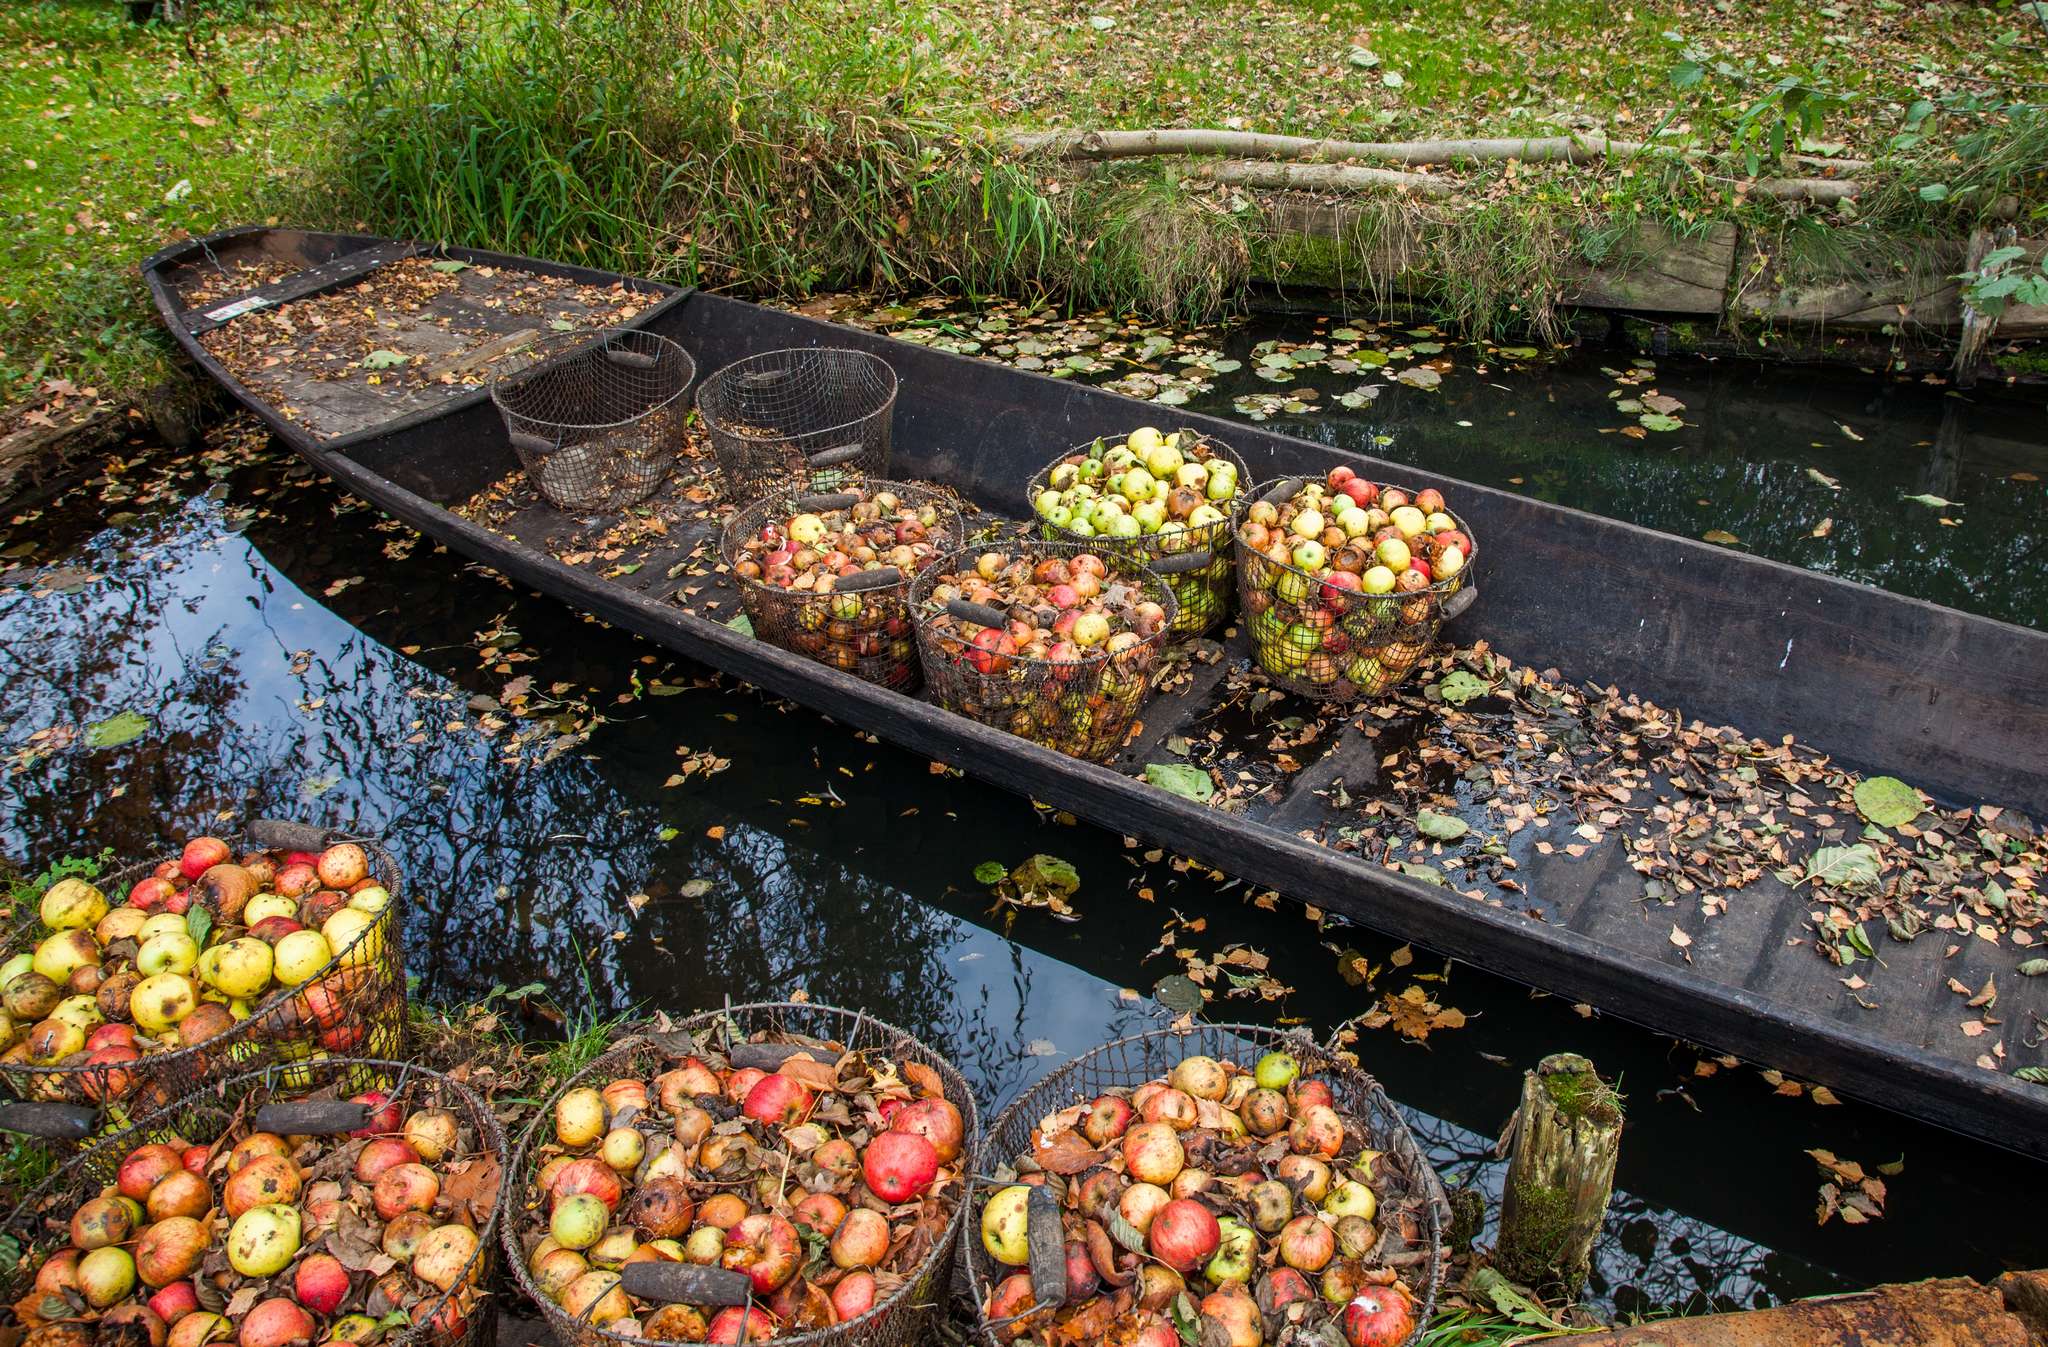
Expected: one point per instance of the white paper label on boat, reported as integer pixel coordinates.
(236, 309)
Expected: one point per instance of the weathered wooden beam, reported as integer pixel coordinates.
(1952, 1312)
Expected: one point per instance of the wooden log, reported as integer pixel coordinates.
(1566, 1137)
(1952, 1312)
(1977, 325)
(1310, 149)
(1317, 177)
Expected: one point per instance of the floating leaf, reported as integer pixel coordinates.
(694, 888)
(1427, 347)
(1932, 501)
(1042, 872)
(383, 359)
(1459, 687)
(1443, 827)
(1657, 421)
(1188, 782)
(1172, 397)
(991, 872)
(1887, 801)
(1845, 867)
(1830, 483)
(117, 730)
(1722, 536)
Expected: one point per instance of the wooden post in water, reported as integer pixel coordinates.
(1566, 1136)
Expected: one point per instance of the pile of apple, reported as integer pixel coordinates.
(1173, 491)
(1216, 1205)
(808, 553)
(826, 1182)
(1069, 667)
(1342, 584)
(191, 951)
(268, 1241)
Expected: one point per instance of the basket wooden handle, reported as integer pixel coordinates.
(526, 442)
(836, 500)
(312, 1117)
(51, 1122)
(1455, 605)
(1282, 490)
(978, 613)
(843, 453)
(281, 834)
(687, 1283)
(764, 1056)
(879, 578)
(1181, 561)
(630, 359)
(1047, 1245)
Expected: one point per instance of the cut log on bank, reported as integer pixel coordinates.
(1951, 1312)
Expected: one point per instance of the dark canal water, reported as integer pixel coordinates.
(293, 653)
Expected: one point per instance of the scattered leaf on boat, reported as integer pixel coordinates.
(1847, 867)
(1887, 801)
(1459, 687)
(1443, 827)
(383, 359)
(1191, 783)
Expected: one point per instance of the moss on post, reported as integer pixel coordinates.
(1567, 1136)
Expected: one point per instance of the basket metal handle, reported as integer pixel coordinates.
(1181, 561)
(833, 457)
(1456, 605)
(835, 500)
(51, 1122)
(312, 1117)
(879, 578)
(526, 442)
(280, 834)
(630, 359)
(978, 613)
(688, 1283)
(1285, 489)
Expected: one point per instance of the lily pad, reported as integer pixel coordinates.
(990, 872)
(1658, 421)
(117, 730)
(1043, 872)
(1226, 365)
(1518, 353)
(1887, 801)
(1371, 359)
(1421, 376)
(1443, 827)
(1172, 397)
(1190, 783)
(1178, 992)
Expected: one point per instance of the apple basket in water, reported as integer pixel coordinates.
(1343, 596)
(1234, 1181)
(829, 575)
(785, 1171)
(1053, 642)
(1164, 500)
(149, 983)
(345, 1200)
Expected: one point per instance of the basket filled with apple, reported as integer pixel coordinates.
(828, 575)
(785, 1171)
(131, 990)
(1345, 583)
(340, 1201)
(1052, 642)
(1165, 500)
(1227, 1184)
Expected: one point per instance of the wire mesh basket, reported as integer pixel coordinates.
(859, 623)
(1322, 635)
(354, 1003)
(1409, 1222)
(1195, 561)
(1082, 696)
(218, 1116)
(910, 1300)
(598, 421)
(818, 417)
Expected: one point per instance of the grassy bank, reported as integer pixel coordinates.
(782, 149)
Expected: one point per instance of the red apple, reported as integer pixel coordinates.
(1108, 1118)
(899, 1166)
(778, 1099)
(321, 1283)
(380, 1154)
(385, 1115)
(861, 1241)
(1281, 1287)
(819, 1213)
(174, 1301)
(766, 1248)
(1175, 1108)
(1307, 1244)
(937, 1121)
(403, 1188)
(276, 1322)
(1184, 1234)
(1378, 1316)
(587, 1175)
(1230, 1318)
(296, 880)
(735, 1325)
(145, 1167)
(853, 1295)
(741, 1082)
(150, 894)
(1316, 1130)
(202, 854)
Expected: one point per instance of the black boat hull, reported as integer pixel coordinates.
(1958, 703)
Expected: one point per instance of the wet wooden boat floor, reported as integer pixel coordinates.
(1581, 807)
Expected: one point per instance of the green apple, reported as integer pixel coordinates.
(1144, 440)
(1006, 1226)
(1124, 526)
(167, 952)
(1308, 524)
(1235, 1252)
(1353, 522)
(1394, 555)
(1204, 516)
(1377, 580)
(1310, 554)
(1138, 484)
(1150, 514)
(1276, 1070)
(1046, 502)
(1164, 460)
(1408, 519)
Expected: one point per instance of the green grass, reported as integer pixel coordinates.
(113, 138)
(783, 149)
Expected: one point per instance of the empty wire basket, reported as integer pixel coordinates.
(598, 422)
(815, 418)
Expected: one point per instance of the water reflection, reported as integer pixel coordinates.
(294, 654)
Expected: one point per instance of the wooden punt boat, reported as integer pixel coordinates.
(1955, 703)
